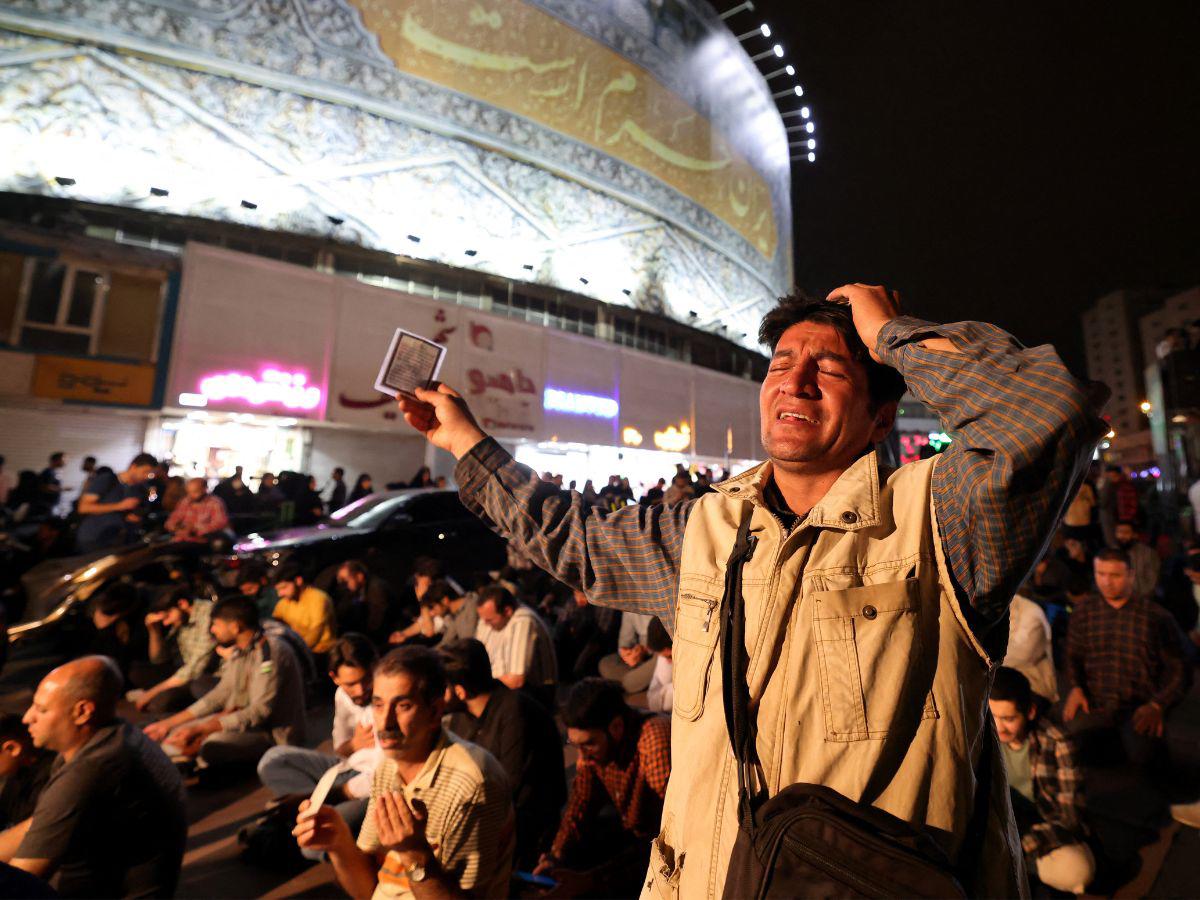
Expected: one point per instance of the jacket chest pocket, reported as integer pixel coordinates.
(697, 626)
(867, 644)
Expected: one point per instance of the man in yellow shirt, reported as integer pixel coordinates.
(307, 609)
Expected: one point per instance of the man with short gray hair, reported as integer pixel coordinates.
(110, 821)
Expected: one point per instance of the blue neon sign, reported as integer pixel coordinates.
(556, 400)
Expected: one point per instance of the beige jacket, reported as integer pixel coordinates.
(863, 674)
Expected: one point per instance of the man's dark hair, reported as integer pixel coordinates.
(354, 567)
(89, 459)
(13, 729)
(1114, 554)
(119, 599)
(884, 384)
(242, 610)
(498, 594)
(437, 592)
(657, 639)
(353, 650)
(427, 566)
(169, 597)
(144, 459)
(594, 703)
(251, 572)
(468, 666)
(1014, 687)
(339, 472)
(289, 571)
(422, 665)
(56, 456)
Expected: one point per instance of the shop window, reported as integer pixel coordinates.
(64, 306)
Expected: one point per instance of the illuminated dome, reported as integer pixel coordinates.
(623, 149)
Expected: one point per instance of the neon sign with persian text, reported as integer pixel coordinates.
(579, 404)
(290, 390)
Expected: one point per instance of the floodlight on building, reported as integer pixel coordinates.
(335, 220)
(246, 204)
(776, 51)
(812, 157)
(159, 192)
(809, 127)
(414, 238)
(763, 30)
(785, 70)
(63, 181)
(471, 252)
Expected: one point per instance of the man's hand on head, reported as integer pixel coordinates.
(444, 418)
(873, 306)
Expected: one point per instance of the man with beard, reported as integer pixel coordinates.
(440, 819)
(874, 600)
(1145, 563)
(258, 703)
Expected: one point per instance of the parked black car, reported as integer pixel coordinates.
(387, 531)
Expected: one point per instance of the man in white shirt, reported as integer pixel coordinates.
(294, 771)
(660, 696)
(518, 644)
(1029, 646)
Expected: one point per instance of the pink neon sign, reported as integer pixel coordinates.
(289, 389)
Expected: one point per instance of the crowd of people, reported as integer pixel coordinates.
(452, 695)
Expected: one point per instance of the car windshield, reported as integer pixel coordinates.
(368, 511)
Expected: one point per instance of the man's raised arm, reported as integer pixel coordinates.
(628, 559)
(1023, 433)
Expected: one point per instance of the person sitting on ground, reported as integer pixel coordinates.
(439, 822)
(1145, 562)
(199, 515)
(120, 633)
(1126, 669)
(306, 608)
(181, 649)
(584, 635)
(364, 601)
(110, 821)
(286, 771)
(516, 730)
(1046, 784)
(517, 643)
(252, 582)
(660, 695)
(680, 489)
(460, 616)
(426, 570)
(633, 663)
(1029, 645)
(625, 761)
(24, 770)
(430, 623)
(108, 505)
(258, 703)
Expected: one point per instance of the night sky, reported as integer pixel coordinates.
(1009, 162)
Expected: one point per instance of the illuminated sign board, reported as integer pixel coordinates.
(556, 400)
(673, 439)
(290, 390)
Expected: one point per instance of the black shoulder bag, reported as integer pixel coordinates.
(808, 840)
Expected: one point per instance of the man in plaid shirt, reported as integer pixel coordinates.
(625, 760)
(1046, 785)
(1126, 667)
(198, 515)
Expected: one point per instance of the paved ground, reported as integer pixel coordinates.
(1166, 856)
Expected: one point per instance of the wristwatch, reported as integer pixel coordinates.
(416, 872)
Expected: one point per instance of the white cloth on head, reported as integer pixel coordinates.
(1029, 648)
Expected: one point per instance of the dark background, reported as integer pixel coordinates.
(1009, 162)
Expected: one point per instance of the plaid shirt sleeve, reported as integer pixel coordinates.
(587, 797)
(655, 751)
(628, 559)
(1023, 432)
(1058, 793)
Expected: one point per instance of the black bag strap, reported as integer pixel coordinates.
(733, 664)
